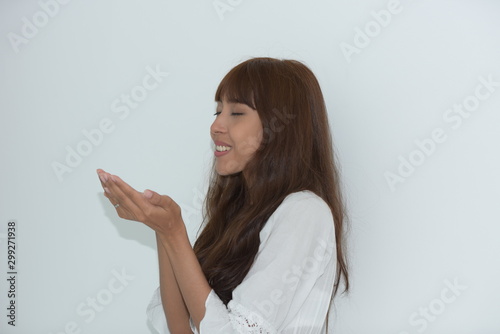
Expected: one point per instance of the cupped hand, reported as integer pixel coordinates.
(159, 212)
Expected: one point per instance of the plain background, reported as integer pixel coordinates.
(407, 243)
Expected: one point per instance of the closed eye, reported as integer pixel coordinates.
(233, 114)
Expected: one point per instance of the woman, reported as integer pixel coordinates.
(270, 256)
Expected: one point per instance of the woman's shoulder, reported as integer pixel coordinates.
(301, 195)
(304, 211)
(303, 200)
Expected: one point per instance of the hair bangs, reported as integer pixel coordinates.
(237, 87)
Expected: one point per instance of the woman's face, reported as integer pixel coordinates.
(237, 133)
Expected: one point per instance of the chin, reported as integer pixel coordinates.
(227, 169)
(227, 173)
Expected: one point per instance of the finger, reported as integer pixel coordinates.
(124, 208)
(154, 198)
(113, 200)
(127, 196)
(102, 176)
(162, 203)
(124, 212)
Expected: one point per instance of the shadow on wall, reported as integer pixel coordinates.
(128, 229)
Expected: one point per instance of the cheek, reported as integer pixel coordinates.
(250, 144)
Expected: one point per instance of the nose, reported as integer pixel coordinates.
(219, 125)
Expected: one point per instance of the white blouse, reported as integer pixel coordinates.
(289, 286)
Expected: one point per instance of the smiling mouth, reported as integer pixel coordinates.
(219, 148)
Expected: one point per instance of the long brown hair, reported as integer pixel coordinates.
(295, 154)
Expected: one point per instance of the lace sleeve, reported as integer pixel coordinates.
(241, 319)
(244, 320)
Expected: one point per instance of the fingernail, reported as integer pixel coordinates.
(148, 193)
(113, 178)
(106, 190)
(103, 178)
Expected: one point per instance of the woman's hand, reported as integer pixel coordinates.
(159, 212)
(163, 215)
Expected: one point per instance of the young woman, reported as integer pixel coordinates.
(270, 256)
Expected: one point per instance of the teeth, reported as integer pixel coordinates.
(222, 148)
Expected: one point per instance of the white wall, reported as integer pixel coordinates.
(435, 226)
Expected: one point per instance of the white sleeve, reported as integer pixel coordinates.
(156, 315)
(288, 288)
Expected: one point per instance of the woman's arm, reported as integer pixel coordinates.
(187, 271)
(289, 285)
(163, 215)
(174, 307)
